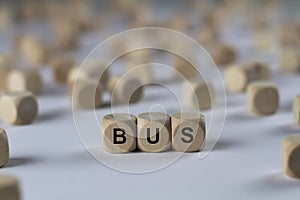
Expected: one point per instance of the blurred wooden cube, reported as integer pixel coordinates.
(61, 67)
(18, 108)
(238, 76)
(263, 98)
(9, 187)
(296, 109)
(25, 80)
(197, 95)
(290, 150)
(4, 148)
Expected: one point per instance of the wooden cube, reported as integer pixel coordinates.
(9, 187)
(125, 89)
(296, 109)
(4, 71)
(290, 60)
(87, 94)
(61, 68)
(290, 150)
(223, 54)
(188, 132)
(4, 148)
(197, 95)
(92, 70)
(185, 68)
(25, 80)
(34, 49)
(119, 133)
(238, 77)
(263, 98)
(18, 108)
(154, 132)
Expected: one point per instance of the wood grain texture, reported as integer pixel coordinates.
(18, 108)
(4, 148)
(238, 76)
(188, 132)
(9, 187)
(25, 80)
(263, 98)
(290, 152)
(154, 132)
(119, 132)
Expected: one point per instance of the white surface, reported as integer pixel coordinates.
(245, 164)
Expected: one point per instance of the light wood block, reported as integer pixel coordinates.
(34, 49)
(290, 60)
(9, 187)
(87, 94)
(61, 68)
(197, 95)
(119, 133)
(296, 109)
(290, 151)
(223, 54)
(17, 108)
(154, 132)
(4, 71)
(25, 80)
(93, 70)
(185, 68)
(4, 148)
(238, 77)
(125, 89)
(263, 98)
(188, 132)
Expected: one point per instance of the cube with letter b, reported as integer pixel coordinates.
(188, 132)
(119, 133)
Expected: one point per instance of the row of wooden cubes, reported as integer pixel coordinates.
(153, 132)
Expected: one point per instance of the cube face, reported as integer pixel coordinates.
(263, 98)
(154, 132)
(119, 133)
(154, 137)
(4, 149)
(188, 132)
(290, 156)
(18, 108)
